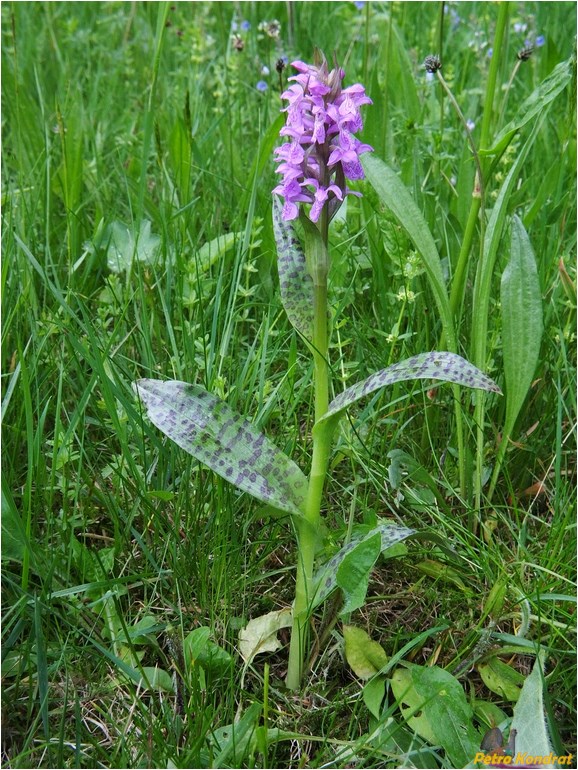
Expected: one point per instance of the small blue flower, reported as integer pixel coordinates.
(470, 124)
(261, 86)
(359, 4)
(245, 25)
(489, 53)
(540, 40)
(265, 70)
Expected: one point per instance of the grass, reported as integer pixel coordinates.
(128, 114)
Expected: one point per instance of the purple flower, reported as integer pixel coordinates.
(540, 40)
(322, 151)
(245, 25)
(261, 86)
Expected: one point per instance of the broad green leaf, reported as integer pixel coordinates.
(199, 648)
(488, 713)
(234, 741)
(294, 280)
(501, 678)
(353, 573)
(211, 431)
(529, 722)
(365, 656)
(329, 577)
(155, 678)
(534, 105)
(260, 634)
(434, 705)
(448, 367)
(212, 251)
(124, 246)
(373, 692)
(522, 324)
(397, 198)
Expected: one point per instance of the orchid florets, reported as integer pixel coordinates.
(322, 118)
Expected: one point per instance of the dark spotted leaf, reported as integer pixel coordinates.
(211, 431)
(295, 282)
(448, 367)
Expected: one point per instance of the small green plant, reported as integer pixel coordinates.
(321, 154)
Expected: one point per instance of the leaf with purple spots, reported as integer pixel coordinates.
(205, 427)
(448, 367)
(351, 567)
(294, 280)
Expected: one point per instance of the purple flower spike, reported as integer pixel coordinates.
(322, 151)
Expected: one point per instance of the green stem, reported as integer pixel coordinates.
(459, 278)
(308, 526)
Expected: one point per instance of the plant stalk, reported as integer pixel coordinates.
(308, 526)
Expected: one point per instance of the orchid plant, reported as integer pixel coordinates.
(319, 156)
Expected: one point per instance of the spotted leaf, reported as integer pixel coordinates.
(351, 567)
(425, 366)
(205, 427)
(295, 282)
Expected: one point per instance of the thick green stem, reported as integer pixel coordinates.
(308, 527)
(307, 533)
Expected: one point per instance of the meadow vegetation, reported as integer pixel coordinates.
(137, 241)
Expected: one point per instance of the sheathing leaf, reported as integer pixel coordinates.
(334, 574)
(294, 280)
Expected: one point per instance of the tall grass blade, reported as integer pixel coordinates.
(397, 198)
(535, 105)
(41, 667)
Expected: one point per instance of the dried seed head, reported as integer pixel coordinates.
(280, 65)
(432, 63)
(525, 53)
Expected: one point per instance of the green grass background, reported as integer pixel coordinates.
(147, 113)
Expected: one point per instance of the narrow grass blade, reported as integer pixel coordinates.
(41, 667)
(295, 282)
(211, 431)
(393, 194)
(522, 323)
(448, 367)
(534, 105)
(234, 741)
